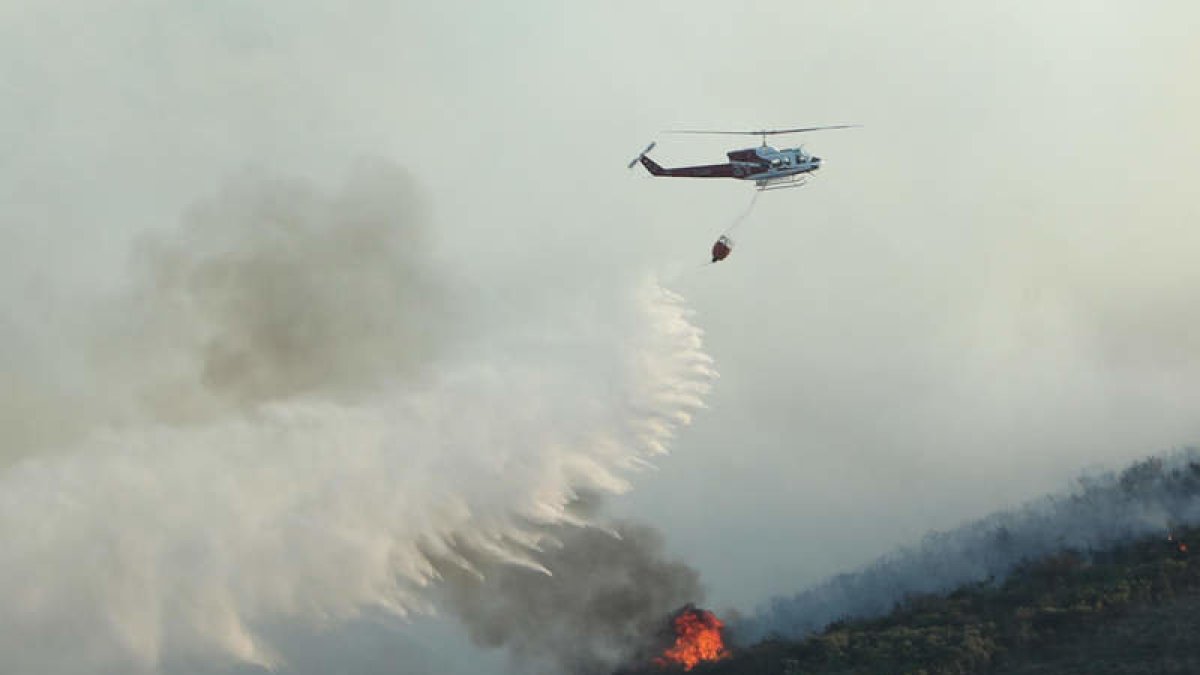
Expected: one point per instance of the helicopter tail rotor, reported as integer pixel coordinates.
(642, 154)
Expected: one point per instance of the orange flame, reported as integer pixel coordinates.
(697, 638)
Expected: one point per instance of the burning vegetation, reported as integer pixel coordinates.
(698, 638)
(1133, 608)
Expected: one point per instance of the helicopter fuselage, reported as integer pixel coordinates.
(767, 162)
(765, 165)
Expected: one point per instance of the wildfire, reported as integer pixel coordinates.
(1180, 546)
(697, 639)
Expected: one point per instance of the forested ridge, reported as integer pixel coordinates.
(1131, 608)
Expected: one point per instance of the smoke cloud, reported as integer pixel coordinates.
(295, 415)
(1102, 511)
(603, 601)
(272, 290)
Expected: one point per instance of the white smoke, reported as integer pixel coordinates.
(297, 422)
(1102, 511)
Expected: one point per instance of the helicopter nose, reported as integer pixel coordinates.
(816, 162)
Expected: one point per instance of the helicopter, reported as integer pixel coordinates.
(769, 168)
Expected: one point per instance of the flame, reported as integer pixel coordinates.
(697, 638)
(1182, 547)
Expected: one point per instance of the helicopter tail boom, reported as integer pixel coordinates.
(706, 171)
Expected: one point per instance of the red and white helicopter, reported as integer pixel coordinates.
(770, 169)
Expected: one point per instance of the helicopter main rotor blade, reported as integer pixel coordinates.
(762, 132)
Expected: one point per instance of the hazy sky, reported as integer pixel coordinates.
(988, 288)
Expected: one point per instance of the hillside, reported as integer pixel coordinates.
(1161, 637)
(1100, 580)
(1132, 609)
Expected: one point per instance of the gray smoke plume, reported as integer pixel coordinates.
(1102, 510)
(286, 419)
(271, 289)
(603, 600)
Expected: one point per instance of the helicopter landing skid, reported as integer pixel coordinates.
(781, 183)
